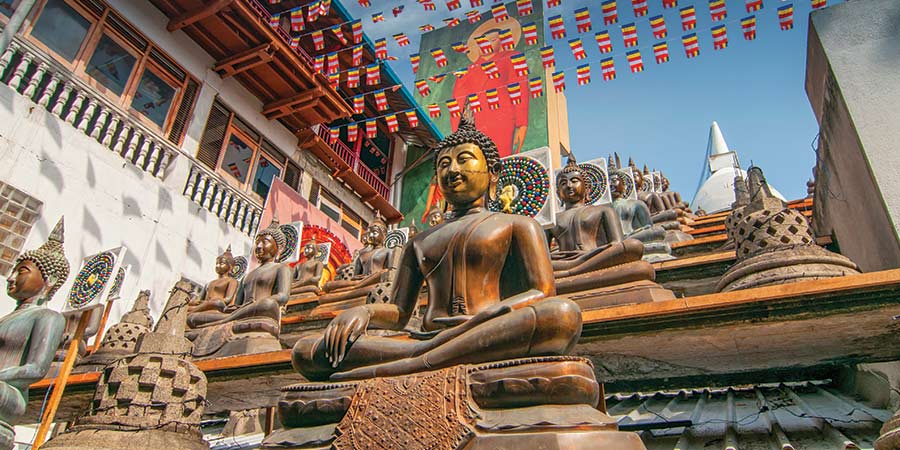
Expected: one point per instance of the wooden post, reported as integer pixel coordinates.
(102, 326)
(601, 402)
(61, 380)
(270, 420)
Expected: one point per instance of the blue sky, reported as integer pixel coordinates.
(661, 117)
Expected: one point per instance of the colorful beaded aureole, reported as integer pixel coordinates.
(91, 280)
(530, 182)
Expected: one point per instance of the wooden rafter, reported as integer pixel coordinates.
(299, 102)
(244, 60)
(189, 17)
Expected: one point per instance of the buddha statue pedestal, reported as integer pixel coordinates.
(539, 402)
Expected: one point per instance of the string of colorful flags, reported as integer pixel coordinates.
(370, 125)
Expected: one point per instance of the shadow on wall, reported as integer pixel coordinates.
(51, 173)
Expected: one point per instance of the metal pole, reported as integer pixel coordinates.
(15, 23)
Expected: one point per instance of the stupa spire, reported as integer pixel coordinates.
(716, 143)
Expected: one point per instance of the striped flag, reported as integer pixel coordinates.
(414, 60)
(474, 102)
(515, 93)
(753, 5)
(583, 73)
(373, 74)
(412, 118)
(334, 80)
(334, 134)
(559, 81)
(661, 52)
(275, 21)
(529, 30)
(439, 57)
(401, 39)
(557, 27)
(377, 17)
(493, 98)
(364, 3)
(371, 129)
(353, 78)
(583, 20)
(608, 69)
(453, 107)
(520, 65)
(720, 37)
(381, 48)
(506, 40)
(635, 62)
(688, 18)
(381, 102)
(525, 7)
(473, 16)
(499, 12)
(392, 124)
(547, 57)
(603, 41)
(717, 10)
(356, 30)
(295, 42)
(484, 45)
(332, 65)
(691, 45)
(816, 4)
(312, 13)
(353, 132)
(610, 15)
(318, 39)
(339, 34)
(297, 20)
(536, 87)
(426, 28)
(434, 110)
(453, 4)
(629, 35)
(748, 25)
(670, 4)
(438, 78)
(658, 25)
(451, 22)
(319, 63)
(459, 47)
(357, 55)
(577, 49)
(475, 3)
(553, 3)
(460, 72)
(422, 87)
(397, 10)
(428, 6)
(786, 17)
(490, 69)
(640, 7)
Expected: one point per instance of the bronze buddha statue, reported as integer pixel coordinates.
(669, 218)
(30, 335)
(435, 217)
(636, 221)
(252, 324)
(308, 273)
(218, 294)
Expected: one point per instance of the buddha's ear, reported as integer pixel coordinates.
(492, 187)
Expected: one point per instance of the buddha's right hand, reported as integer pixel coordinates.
(343, 331)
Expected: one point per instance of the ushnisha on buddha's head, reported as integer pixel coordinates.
(571, 184)
(269, 242)
(467, 165)
(311, 249)
(225, 262)
(38, 273)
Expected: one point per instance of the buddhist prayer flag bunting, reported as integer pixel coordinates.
(547, 57)
(324, 7)
(357, 55)
(373, 74)
(604, 44)
(559, 81)
(688, 18)
(453, 107)
(629, 35)
(275, 21)
(557, 27)
(670, 4)
(583, 73)
(356, 30)
(608, 69)
(434, 110)
(691, 45)
(312, 13)
(610, 14)
(520, 65)
(381, 103)
(371, 130)
(439, 57)
(490, 69)
(451, 22)
(381, 48)
(353, 78)
(459, 47)
(401, 39)
(720, 37)
(423, 88)
(332, 64)
(334, 134)
(318, 39)
(339, 34)
(536, 87)
(493, 98)
(295, 42)
(748, 25)
(484, 45)
(529, 30)
(816, 4)
(334, 80)
(397, 10)
(428, 6)
(717, 10)
(525, 7)
(661, 52)
(460, 72)
(473, 16)
(553, 3)
(412, 119)
(453, 4)
(640, 7)
(474, 102)
(415, 60)
(507, 42)
(377, 17)
(786, 17)
(515, 93)
(352, 132)
(658, 26)
(583, 20)
(438, 78)
(753, 5)
(426, 28)
(364, 3)
(577, 49)
(297, 20)
(392, 124)
(319, 63)
(499, 12)
(475, 3)
(635, 62)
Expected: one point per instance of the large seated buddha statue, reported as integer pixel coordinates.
(634, 216)
(30, 335)
(308, 273)
(252, 324)
(592, 252)
(455, 383)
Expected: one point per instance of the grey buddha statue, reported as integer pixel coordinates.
(669, 218)
(30, 335)
(634, 216)
(252, 324)
(308, 273)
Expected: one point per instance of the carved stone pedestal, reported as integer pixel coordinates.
(241, 337)
(545, 402)
(623, 294)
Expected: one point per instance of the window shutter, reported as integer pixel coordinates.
(213, 135)
(184, 112)
(292, 177)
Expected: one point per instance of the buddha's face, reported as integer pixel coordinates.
(638, 180)
(25, 281)
(570, 187)
(223, 265)
(375, 235)
(618, 185)
(665, 184)
(463, 174)
(266, 248)
(309, 251)
(435, 218)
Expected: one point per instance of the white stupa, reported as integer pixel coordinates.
(717, 192)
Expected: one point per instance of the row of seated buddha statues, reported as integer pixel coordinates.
(235, 318)
(635, 218)
(670, 218)
(487, 369)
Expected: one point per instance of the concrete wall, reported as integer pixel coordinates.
(853, 83)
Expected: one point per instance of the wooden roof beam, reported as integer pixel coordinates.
(244, 60)
(190, 17)
(281, 108)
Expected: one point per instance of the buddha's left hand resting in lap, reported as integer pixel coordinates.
(489, 279)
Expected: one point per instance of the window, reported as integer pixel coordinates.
(233, 148)
(337, 211)
(112, 56)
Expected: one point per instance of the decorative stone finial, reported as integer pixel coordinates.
(50, 258)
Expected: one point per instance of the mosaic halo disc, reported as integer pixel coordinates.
(596, 180)
(292, 238)
(530, 182)
(240, 267)
(91, 280)
(395, 239)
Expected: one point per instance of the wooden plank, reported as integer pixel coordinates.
(245, 60)
(190, 17)
(705, 240)
(693, 261)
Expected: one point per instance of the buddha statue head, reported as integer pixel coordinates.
(616, 182)
(412, 231)
(311, 249)
(571, 184)
(467, 165)
(225, 262)
(269, 242)
(435, 217)
(665, 183)
(42, 270)
(376, 233)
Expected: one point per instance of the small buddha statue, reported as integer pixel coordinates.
(435, 217)
(218, 294)
(634, 215)
(672, 198)
(252, 324)
(30, 335)
(669, 218)
(373, 264)
(308, 273)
